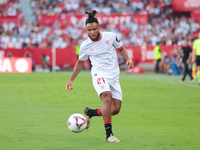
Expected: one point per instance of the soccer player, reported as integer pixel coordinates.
(100, 48)
(196, 54)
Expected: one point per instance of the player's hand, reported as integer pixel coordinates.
(193, 60)
(129, 63)
(69, 86)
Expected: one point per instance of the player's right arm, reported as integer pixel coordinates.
(77, 69)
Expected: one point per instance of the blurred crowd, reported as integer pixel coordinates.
(175, 59)
(173, 64)
(52, 7)
(10, 7)
(160, 27)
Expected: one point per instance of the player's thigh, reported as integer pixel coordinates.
(101, 85)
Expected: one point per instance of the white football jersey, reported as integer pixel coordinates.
(102, 54)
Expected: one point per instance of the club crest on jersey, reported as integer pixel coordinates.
(108, 42)
(102, 86)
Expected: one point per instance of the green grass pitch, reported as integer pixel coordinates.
(157, 113)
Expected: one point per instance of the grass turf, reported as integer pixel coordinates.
(157, 113)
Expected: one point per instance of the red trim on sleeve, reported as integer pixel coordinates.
(119, 48)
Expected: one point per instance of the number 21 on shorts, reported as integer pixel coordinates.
(100, 80)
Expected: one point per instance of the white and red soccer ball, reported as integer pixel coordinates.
(76, 123)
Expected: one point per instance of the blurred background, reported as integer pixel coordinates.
(51, 31)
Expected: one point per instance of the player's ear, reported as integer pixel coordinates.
(99, 27)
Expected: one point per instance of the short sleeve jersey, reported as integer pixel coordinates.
(102, 54)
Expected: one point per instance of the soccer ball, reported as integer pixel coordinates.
(76, 123)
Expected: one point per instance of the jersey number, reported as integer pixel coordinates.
(99, 80)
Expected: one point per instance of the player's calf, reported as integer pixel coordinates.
(115, 110)
(116, 106)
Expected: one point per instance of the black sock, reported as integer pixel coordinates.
(93, 112)
(108, 128)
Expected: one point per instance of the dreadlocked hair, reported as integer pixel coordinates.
(91, 17)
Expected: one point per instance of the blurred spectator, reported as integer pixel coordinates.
(9, 54)
(10, 7)
(11, 43)
(166, 60)
(77, 51)
(45, 62)
(28, 54)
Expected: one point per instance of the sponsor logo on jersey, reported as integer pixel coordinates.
(91, 49)
(108, 42)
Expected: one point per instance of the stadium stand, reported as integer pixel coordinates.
(160, 27)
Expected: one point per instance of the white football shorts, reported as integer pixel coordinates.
(102, 84)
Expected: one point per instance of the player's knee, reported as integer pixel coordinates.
(107, 98)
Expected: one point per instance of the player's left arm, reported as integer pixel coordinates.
(123, 52)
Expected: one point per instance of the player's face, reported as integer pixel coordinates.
(93, 30)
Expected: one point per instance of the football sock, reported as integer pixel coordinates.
(108, 128)
(94, 112)
(198, 75)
